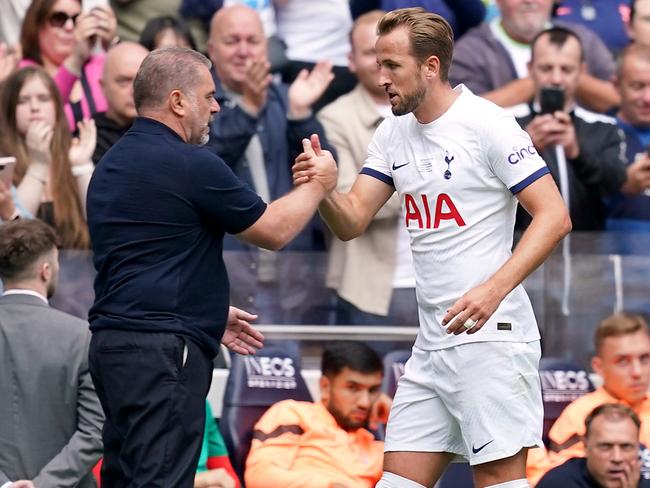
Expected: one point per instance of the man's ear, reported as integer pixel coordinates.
(324, 384)
(177, 102)
(45, 271)
(433, 67)
(597, 365)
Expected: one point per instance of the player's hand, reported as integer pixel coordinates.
(240, 336)
(315, 163)
(256, 85)
(308, 87)
(478, 304)
(379, 411)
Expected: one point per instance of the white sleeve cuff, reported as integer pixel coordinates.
(7, 484)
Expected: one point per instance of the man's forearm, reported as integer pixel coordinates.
(338, 212)
(513, 93)
(538, 241)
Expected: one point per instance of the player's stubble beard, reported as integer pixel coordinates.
(410, 101)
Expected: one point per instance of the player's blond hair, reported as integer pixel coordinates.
(430, 34)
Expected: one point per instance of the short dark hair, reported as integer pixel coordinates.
(22, 242)
(354, 355)
(612, 411)
(164, 70)
(558, 36)
(153, 28)
(429, 33)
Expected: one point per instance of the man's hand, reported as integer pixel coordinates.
(630, 473)
(214, 478)
(638, 175)
(554, 130)
(478, 304)
(240, 336)
(315, 163)
(22, 484)
(308, 87)
(256, 85)
(379, 411)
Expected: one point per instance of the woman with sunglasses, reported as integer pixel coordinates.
(58, 36)
(52, 169)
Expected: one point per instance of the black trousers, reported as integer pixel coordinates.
(152, 387)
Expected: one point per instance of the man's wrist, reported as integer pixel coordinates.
(82, 169)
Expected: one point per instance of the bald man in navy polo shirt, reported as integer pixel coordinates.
(159, 205)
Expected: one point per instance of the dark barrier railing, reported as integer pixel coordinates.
(571, 292)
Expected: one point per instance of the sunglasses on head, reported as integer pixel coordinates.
(59, 19)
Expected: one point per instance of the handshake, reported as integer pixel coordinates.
(315, 164)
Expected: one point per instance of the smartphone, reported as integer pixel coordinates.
(7, 165)
(551, 99)
(88, 5)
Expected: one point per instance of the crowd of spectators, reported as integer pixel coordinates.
(286, 69)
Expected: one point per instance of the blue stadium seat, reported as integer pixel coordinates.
(394, 363)
(562, 381)
(255, 383)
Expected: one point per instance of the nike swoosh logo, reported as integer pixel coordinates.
(477, 450)
(395, 167)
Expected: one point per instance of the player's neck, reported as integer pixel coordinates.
(436, 103)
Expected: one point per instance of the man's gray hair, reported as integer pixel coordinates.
(164, 70)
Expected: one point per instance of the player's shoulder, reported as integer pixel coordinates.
(481, 111)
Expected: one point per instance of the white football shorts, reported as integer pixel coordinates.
(481, 401)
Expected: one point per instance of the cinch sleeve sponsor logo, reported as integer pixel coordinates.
(518, 154)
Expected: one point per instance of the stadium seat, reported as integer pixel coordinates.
(255, 383)
(394, 369)
(562, 381)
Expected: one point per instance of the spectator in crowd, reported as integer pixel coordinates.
(50, 417)
(166, 31)
(373, 274)
(52, 169)
(258, 133)
(606, 18)
(587, 147)
(622, 360)
(324, 443)
(59, 37)
(215, 469)
(462, 15)
(121, 65)
(314, 32)
(491, 60)
(638, 26)
(611, 453)
(630, 210)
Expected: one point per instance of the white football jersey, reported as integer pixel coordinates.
(457, 178)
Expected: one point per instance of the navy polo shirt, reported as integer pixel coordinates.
(158, 209)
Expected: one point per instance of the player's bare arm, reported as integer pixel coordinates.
(550, 223)
(346, 214)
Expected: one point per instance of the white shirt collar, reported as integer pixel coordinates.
(24, 291)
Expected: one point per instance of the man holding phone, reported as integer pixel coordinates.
(582, 149)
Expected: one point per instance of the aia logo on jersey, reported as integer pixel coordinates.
(520, 153)
(420, 211)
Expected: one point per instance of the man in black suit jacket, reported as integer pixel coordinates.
(50, 417)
